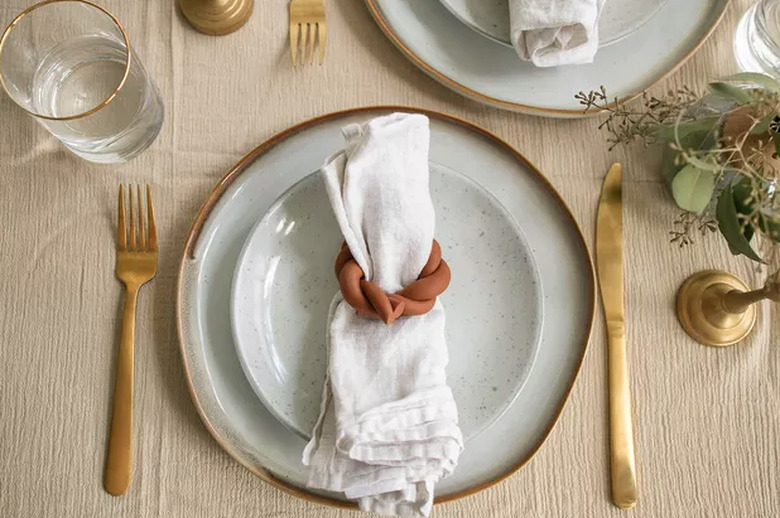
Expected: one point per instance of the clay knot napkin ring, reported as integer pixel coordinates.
(370, 301)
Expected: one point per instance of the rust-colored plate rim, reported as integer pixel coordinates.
(524, 108)
(242, 165)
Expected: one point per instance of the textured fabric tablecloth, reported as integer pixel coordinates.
(707, 420)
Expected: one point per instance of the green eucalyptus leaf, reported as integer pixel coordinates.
(762, 80)
(747, 236)
(701, 139)
(732, 92)
(763, 125)
(700, 127)
(692, 188)
(748, 232)
(728, 223)
(742, 191)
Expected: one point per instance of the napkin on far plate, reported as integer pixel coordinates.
(550, 33)
(388, 427)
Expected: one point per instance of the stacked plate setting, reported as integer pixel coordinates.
(256, 281)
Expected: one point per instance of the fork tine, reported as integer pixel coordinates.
(295, 33)
(121, 231)
(152, 226)
(322, 38)
(309, 43)
(313, 42)
(132, 219)
(141, 237)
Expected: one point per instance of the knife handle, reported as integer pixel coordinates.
(624, 486)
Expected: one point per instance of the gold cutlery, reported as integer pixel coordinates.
(609, 259)
(307, 30)
(136, 264)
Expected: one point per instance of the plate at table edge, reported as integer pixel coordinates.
(474, 94)
(283, 286)
(196, 371)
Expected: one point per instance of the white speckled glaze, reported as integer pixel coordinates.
(488, 72)
(619, 18)
(284, 283)
(224, 398)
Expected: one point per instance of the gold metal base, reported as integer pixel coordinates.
(216, 17)
(702, 314)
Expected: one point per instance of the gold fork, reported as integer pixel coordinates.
(136, 264)
(307, 23)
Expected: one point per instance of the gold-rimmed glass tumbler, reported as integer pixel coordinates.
(69, 64)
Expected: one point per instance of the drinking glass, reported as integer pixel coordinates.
(757, 40)
(69, 64)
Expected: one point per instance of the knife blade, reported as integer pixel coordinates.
(609, 261)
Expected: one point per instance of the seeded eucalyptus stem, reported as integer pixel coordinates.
(724, 146)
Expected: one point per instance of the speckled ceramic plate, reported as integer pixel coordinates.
(482, 70)
(284, 284)
(619, 18)
(224, 398)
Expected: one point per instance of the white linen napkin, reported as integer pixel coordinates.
(388, 427)
(550, 33)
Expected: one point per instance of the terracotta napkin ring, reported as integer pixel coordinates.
(370, 301)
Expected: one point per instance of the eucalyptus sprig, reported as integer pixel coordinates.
(687, 225)
(722, 154)
(626, 124)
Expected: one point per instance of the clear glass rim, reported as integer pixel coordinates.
(105, 101)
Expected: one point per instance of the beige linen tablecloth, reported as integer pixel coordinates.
(707, 420)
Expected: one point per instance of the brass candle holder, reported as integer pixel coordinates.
(716, 308)
(216, 17)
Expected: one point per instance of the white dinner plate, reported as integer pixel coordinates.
(284, 284)
(227, 404)
(618, 19)
(485, 71)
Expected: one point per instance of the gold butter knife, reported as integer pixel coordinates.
(609, 260)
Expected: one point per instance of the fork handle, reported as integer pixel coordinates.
(118, 463)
